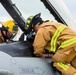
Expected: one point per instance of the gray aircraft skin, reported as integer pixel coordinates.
(16, 58)
(24, 65)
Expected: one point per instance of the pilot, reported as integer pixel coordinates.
(58, 40)
(8, 30)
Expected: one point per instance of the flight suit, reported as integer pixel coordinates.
(64, 58)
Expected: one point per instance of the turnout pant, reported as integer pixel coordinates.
(65, 60)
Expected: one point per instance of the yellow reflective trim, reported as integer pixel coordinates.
(75, 74)
(27, 26)
(28, 21)
(55, 36)
(68, 42)
(63, 66)
(31, 17)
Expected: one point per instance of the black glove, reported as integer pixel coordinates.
(31, 37)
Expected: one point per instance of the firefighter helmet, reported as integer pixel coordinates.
(11, 26)
(32, 21)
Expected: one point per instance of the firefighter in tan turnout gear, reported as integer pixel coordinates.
(8, 30)
(59, 40)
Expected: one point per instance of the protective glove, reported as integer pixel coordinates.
(31, 36)
(46, 55)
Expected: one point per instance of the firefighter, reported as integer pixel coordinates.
(59, 40)
(8, 29)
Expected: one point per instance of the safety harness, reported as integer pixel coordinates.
(63, 44)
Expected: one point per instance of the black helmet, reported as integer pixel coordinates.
(36, 19)
(32, 21)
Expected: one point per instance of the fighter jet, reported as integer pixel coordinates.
(16, 57)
